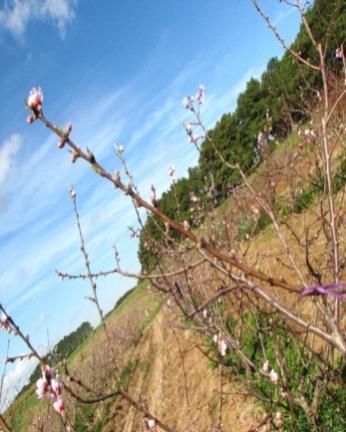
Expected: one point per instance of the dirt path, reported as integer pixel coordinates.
(189, 405)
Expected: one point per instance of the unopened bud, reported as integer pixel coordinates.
(69, 128)
(74, 157)
(61, 143)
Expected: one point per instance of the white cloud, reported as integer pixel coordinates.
(283, 15)
(15, 379)
(7, 152)
(16, 14)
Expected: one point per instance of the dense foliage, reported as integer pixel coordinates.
(272, 105)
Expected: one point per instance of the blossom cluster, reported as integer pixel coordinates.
(34, 103)
(192, 103)
(221, 344)
(189, 101)
(51, 387)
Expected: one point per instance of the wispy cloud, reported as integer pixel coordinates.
(283, 15)
(16, 14)
(8, 151)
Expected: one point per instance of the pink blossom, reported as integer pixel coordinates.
(273, 376)
(5, 323)
(50, 386)
(339, 53)
(309, 134)
(151, 425)
(188, 128)
(57, 386)
(265, 367)
(35, 99)
(194, 199)
(221, 344)
(42, 387)
(59, 406)
(186, 225)
(194, 138)
(278, 419)
(31, 118)
(222, 347)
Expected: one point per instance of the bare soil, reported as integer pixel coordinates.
(175, 382)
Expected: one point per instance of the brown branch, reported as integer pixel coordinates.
(144, 276)
(125, 396)
(281, 40)
(3, 425)
(199, 242)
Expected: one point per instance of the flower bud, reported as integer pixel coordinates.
(31, 118)
(74, 157)
(35, 99)
(61, 143)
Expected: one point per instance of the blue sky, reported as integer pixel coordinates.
(118, 70)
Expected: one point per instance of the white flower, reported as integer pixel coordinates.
(42, 387)
(151, 424)
(57, 386)
(309, 134)
(186, 102)
(265, 367)
(187, 126)
(339, 53)
(186, 225)
(194, 138)
(221, 344)
(278, 419)
(194, 199)
(35, 99)
(72, 192)
(273, 376)
(222, 347)
(59, 406)
(119, 149)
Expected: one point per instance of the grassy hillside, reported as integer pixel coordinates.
(132, 314)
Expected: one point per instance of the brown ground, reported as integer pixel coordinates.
(166, 355)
